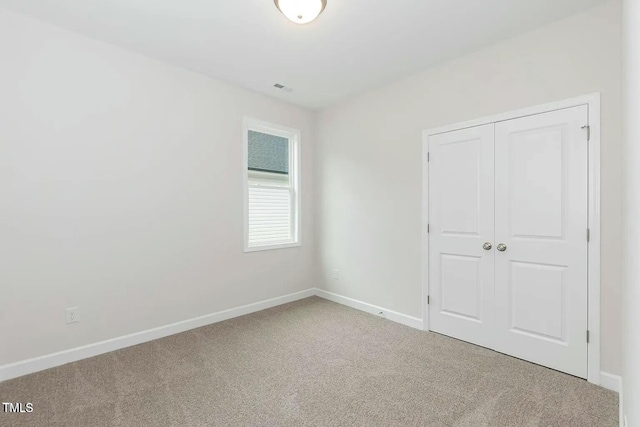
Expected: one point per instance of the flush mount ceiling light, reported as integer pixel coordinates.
(301, 11)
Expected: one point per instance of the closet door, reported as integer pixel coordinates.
(541, 239)
(461, 256)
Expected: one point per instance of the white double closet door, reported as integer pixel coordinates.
(508, 237)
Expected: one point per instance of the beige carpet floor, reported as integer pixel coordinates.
(311, 362)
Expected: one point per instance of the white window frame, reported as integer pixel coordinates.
(293, 135)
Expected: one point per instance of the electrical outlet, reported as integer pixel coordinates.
(72, 315)
(336, 274)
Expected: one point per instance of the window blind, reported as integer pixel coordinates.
(270, 219)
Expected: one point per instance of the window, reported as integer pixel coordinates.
(272, 199)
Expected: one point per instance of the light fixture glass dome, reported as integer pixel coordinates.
(301, 11)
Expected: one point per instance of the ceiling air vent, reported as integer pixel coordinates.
(283, 87)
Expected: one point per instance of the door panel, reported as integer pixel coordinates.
(541, 217)
(526, 300)
(537, 184)
(461, 283)
(461, 221)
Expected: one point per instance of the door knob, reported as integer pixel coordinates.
(502, 247)
(487, 246)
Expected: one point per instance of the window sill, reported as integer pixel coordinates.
(272, 247)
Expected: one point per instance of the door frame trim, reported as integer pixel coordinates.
(593, 248)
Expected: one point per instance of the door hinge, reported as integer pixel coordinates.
(428, 228)
(588, 235)
(428, 300)
(428, 157)
(587, 337)
(588, 128)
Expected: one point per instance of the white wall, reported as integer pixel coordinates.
(121, 181)
(368, 164)
(631, 89)
(121, 193)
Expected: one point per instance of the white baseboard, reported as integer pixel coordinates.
(611, 381)
(623, 420)
(29, 366)
(36, 364)
(394, 316)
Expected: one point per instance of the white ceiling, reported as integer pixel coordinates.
(353, 46)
